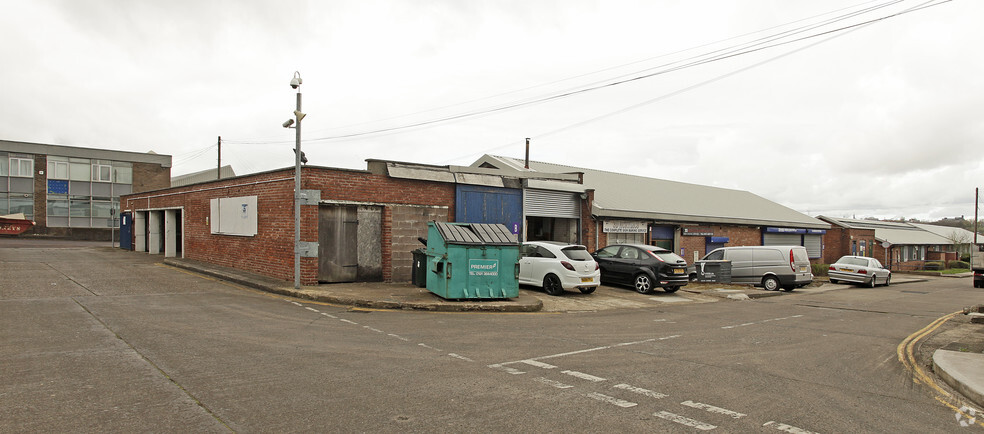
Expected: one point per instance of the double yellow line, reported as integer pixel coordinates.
(905, 351)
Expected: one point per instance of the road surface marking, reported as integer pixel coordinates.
(296, 304)
(554, 383)
(460, 357)
(348, 321)
(329, 315)
(428, 346)
(713, 409)
(641, 391)
(313, 309)
(761, 322)
(538, 364)
(512, 371)
(373, 329)
(397, 336)
(583, 376)
(611, 400)
(684, 421)
(787, 428)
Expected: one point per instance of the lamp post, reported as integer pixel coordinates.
(296, 84)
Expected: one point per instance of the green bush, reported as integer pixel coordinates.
(820, 269)
(965, 258)
(934, 266)
(958, 264)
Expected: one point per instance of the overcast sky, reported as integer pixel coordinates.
(879, 120)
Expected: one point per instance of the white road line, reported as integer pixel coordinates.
(670, 337)
(296, 304)
(583, 376)
(460, 357)
(684, 421)
(329, 315)
(787, 428)
(435, 349)
(568, 354)
(396, 336)
(713, 409)
(606, 347)
(313, 309)
(553, 383)
(761, 322)
(373, 329)
(611, 400)
(641, 391)
(350, 322)
(632, 343)
(513, 371)
(538, 364)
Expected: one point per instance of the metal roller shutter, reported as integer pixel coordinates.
(544, 203)
(770, 239)
(813, 245)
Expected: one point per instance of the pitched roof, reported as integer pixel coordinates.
(903, 233)
(631, 196)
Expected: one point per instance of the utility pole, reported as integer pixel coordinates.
(527, 165)
(977, 201)
(218, 170)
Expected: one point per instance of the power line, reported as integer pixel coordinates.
(734, 51)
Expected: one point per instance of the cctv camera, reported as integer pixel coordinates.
(288, 123)
(295, 82)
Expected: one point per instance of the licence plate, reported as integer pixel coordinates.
(679, 271)
(587, 279)
(848, 270)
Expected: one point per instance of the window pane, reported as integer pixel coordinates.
(80, 171)
(62, 171)
(80, 206)
(4, 210)
(123, 175)
(21, 204)
(27, 168)
(3, 165)
(101, 209)
(57, 207)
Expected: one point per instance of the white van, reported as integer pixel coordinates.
(771, 267)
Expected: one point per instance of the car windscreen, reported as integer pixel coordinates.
(577, 253)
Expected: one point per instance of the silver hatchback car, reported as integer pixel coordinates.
(860, 270)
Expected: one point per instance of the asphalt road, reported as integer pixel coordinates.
(98, 339)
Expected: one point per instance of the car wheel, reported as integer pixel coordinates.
(587, 290)
(671, 289)
(788, 288)
(770, 283)
(693, 277)
(643, 284)
(551, 284)
(834, 281)
(871, 284)
(888, 280)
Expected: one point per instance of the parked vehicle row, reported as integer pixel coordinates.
(557, 267)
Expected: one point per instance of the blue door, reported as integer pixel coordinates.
(126, 230)
(474, 204)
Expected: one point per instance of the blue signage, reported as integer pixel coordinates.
(57, 186)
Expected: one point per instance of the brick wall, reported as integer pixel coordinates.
(837, 242)
(149, 176)
(271, 251)
(40, 194)
(737, 236)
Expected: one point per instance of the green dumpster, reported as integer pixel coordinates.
(472, 260)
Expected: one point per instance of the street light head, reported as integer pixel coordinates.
(296, 81)
(288, 123)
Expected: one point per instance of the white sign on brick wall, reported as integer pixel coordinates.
(625, 226)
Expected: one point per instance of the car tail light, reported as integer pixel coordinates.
(597, 266)
(792, 264)
(567, 265)
(862, 271)
(832, 268)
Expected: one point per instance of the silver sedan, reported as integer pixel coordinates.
(860, 270)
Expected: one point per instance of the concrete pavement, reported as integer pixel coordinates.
(964, 371)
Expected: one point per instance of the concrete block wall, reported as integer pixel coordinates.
(406, 223)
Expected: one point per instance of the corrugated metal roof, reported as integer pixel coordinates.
(476, 233)
(903, 233)
(631, 196)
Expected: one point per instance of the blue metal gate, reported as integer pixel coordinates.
(126, 230)
(474, 204)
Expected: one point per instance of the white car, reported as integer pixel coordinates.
(860, 270)
(556, 266)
